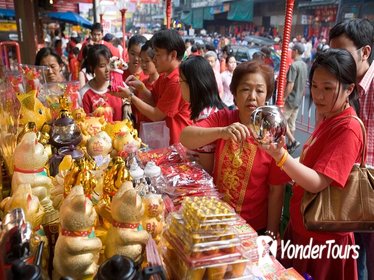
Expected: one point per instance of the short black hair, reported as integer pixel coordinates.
(360, 31)
(210, 47)
(169, 40)
(147, 48)
(44, 52)
(203, 88)
(190, 40)
(97, 26)
(75, 50)
(136, 40)
(93, 56)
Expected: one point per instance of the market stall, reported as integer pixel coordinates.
(88, 194)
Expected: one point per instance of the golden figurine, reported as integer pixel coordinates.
(77, 249)
(127, 238)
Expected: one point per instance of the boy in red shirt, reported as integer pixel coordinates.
(165, 101)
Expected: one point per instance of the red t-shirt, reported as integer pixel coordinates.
(74, 68)
(93, 99)
(331, 150)
(243, 174)
(168, 99)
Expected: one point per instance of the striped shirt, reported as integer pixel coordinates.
(366, 95)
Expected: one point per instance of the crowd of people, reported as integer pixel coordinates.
(206, 99)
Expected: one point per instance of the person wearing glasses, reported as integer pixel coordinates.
(357, 37)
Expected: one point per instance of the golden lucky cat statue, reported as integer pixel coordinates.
(77, 249)
(30, 157)
(126, 237)
(32, 109)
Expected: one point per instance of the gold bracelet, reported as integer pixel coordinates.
(283, 159)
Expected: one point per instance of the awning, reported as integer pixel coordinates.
(186, 18)
(207, 14)
(241, 10)
(7, 13)
(314, 4)
(197, 18)
(70, 17)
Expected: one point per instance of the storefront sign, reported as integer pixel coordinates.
(206, 3)
(8, 26)
(220, 9)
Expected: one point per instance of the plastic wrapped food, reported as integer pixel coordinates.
(208, 213)
(164, 156)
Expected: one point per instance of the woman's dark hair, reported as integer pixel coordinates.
(136, 40)
(169, 40)
(203, 88)
(44, 52)
(342, 65)
(228, 58)
(228, 50)
(84, 56)
(93, 56)
(251, 67)
(147, 47)
(194, 49)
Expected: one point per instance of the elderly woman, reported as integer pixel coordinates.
(247, 176)
(49, 57)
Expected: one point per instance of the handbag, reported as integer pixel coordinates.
(348, 209)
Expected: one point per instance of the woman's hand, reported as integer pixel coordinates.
(132, 81)
(236, 131)
(275, 150)
(122, 92)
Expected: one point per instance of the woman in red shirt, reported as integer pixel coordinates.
(246, 175)
(327, 159)
(201, 92)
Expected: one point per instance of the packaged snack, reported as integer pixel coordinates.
(164, 156)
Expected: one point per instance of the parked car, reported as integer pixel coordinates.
(245, 53)
(259, 40)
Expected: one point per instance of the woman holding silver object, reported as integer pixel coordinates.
(247, 176)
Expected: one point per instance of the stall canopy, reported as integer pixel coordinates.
(241, 10)
(70, 17)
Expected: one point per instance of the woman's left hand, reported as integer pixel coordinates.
(275, 150)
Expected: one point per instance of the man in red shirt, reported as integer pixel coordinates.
(97, 38)
(165, 101)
